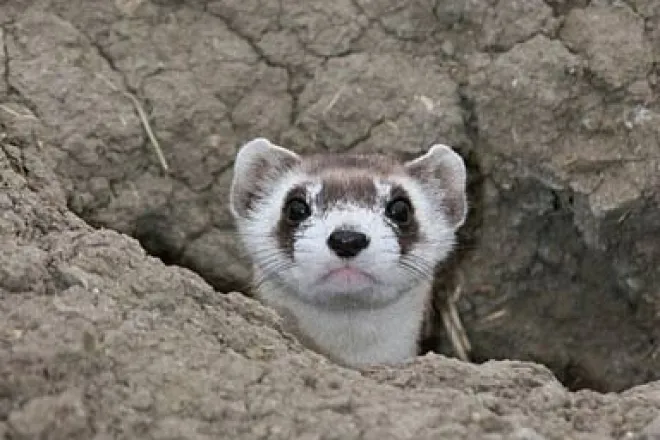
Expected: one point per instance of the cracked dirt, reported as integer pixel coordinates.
(554, 104)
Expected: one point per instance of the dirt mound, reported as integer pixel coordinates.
(100, 340)
(554, 105)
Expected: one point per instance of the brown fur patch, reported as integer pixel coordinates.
(250, 197)
(262, 173)
(408, 234)
(349, 177)
(285, 231)
(375, 164)
(454, 207)
(453, 200)
(349, 186)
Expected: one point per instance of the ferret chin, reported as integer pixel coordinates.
(344, 246)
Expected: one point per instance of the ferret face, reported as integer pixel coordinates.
(346, 230)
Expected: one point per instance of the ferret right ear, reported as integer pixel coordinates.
(257, 165)
(442, 172)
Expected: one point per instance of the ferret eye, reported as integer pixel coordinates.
(399, 210)
(297, 210)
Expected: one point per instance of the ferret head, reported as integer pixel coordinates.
(345, 229)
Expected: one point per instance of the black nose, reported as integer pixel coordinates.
(347, 243)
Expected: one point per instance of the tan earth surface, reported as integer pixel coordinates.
(119, 280)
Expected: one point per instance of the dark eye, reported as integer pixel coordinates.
(296, 210)
(399, 211)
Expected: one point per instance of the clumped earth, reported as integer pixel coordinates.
(119, 279)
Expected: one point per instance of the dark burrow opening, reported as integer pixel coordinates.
(567, 308)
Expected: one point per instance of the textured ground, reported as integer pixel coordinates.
(99, 340)
(554, 105)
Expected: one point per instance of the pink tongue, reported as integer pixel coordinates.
(347, 274)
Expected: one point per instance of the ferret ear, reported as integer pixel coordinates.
(442, 172)
(258, 164)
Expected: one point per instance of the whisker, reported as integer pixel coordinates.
(271, 270)
(265, 277)
(417, 265)
(415, 270)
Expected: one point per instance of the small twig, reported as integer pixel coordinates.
(454, 311)
(143, 118)
(17, 114)
(334, 99)
(453, 334)
(454, 326)
(582, 165)
(495, 316)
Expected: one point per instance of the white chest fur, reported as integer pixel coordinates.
(355, 337)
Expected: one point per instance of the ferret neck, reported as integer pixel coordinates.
(355, 336)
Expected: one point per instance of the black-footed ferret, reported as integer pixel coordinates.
(345, 245)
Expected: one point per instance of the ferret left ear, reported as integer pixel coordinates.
(258, 164)
(442, 172)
